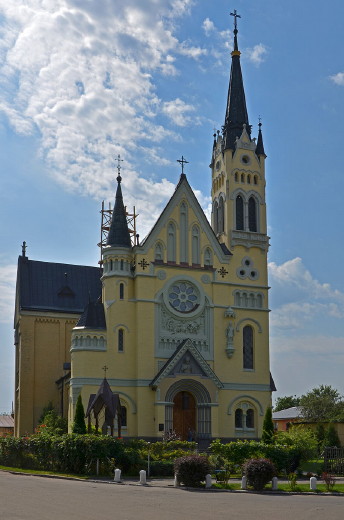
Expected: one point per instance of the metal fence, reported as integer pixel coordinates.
(334, 460)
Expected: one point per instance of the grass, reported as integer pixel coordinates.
(284, 486)
(312, 466)
(41, 472)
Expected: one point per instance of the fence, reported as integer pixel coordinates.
(334, 460)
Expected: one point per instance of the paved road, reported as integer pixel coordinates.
(36, 498)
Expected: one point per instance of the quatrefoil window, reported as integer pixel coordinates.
(183, 297)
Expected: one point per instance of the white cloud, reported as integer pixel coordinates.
(7, 290)
(338, 78)
(178, 111)
(256, 54)
(208, 26)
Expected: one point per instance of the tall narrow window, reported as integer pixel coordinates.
(208, 257)
(121, 291)
(216, 217)
(124, 416)
(120, 340)
(183, 233)
(238, 418)
(171, 242)
(239, 212)
(248, 347)
(250, 418)
(221, 217)
(195, 246)
(158, 254)
(252, 214)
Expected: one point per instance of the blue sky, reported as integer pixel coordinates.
(81, 81)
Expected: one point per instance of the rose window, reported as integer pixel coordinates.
(183, 297)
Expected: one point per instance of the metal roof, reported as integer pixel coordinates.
(93, 316)
(294, 412)
(6, 421)
(47, 286)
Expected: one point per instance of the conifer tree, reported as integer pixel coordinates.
(79, 425)
(331, 437)
(268, 427)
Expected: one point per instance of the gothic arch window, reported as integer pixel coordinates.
(171, 242)
(249, 179)
(255, 179)
(259, 301)
(242, 177)
(216, 217)
(121, 291)
(248, 347)
(208, 257)
(183, 233)
(158, 253)
(111, 265)
(244, 418)
(239, 212)
(220, 216)
(120, 340)
(237, 299)
(250, 418)
(122, 265)
(236, 176)
(252, 214)
(195, 245)
(124, 416)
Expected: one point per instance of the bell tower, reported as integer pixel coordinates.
(238, 172)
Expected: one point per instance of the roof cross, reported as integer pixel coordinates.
(105, 368)
(119, 160)
(24, 248)
(182, 161)
(235, 18)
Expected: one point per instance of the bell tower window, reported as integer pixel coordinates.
(252, 214)
(239, 212)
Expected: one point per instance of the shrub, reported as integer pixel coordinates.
(268, 427)
(259, 472)
(191, 470)
(292, 479)
(79, 425)
(329, 481)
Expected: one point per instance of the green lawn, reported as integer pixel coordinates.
(40, 472)
(301, 487)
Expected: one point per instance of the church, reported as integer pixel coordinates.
(177, 324)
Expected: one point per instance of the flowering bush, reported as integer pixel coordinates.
(259, 472)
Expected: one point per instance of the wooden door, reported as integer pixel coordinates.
(184, 415)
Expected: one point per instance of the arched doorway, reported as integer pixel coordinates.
(184, 415)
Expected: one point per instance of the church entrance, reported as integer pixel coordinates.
(184, 415)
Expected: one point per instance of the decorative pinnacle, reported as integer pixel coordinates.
(182, 161)
(119, 160)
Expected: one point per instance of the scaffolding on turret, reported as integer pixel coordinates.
(106, 216)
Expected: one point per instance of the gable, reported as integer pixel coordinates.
(171, 213)
(186, 360)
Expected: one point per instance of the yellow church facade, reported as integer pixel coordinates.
(178, 323)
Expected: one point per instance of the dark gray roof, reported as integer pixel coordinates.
(289, 413)
(119, 233)
(260, 144)
(93, 316)
(236, 111)
(6, 421)
(47, 286)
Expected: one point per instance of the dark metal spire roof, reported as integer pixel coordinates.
(236, 111)
(119, 233)
(93, 316)
(260, 144)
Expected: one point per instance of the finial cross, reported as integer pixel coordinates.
(119, 160)
(105, 368)
(182, 161)
(24, 248)
(235, 18)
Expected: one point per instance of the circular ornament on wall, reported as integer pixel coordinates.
(205, 278)
(161, 274)
(183, 297)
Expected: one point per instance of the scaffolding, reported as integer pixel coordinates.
(106, 216)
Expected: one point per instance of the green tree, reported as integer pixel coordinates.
(321, 404)
(268, 427)
(331, 437)
(288, 401)
(79, 425)
(320, 433)
(301, 437)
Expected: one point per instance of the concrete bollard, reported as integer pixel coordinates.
(208, 481)
(313, 483)
(274, 483)
(143, 479)
(176, 481)
(244, 482)
(117, 477)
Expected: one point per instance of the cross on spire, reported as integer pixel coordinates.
(105, 368)
(182, 161)
(24, 249)
(119, 160)
(235, 19)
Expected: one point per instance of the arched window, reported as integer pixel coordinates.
(239, 212)
(120, 340)
(250, 418)
(195, 246)
(183, 233)
(252, 214)
(220, 217)
(111, 265)
(238, 418)
(249, 179)
(171, 242)
(122, 265)
(158, 253)
(216, 217)
(242, 177)
(255, 179)
(124, 416)
(208, 257)
(236, 176)
(248, 347)
(121, 291)
(237, 299)
(259, 301)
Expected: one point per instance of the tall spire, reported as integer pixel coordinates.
(236, 111)
(260, 144)
(119, 233)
